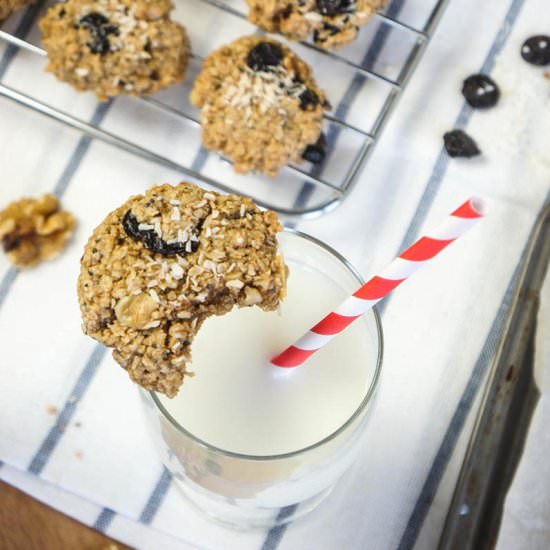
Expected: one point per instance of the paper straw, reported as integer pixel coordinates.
(407, 263)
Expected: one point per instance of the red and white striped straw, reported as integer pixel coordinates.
(377, 288)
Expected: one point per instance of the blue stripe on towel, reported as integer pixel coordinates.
(157, 497)
(80, 151)
(154, 502)
(200, 160)
(55, 434)
(7, 282)
(21, 31)
(276, 533)
(104, 520)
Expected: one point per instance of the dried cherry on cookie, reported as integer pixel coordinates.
(308, 98)
(334, 7)
(100, 28)
(263, 56)
(153, 242)
(316, 152)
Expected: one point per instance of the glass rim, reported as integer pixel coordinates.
(333, 435)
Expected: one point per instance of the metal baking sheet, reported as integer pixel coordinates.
(501, 427)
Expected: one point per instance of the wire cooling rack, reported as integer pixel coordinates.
(363, 82)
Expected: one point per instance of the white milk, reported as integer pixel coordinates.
(237, 401)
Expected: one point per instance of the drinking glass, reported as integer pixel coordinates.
(257, 491)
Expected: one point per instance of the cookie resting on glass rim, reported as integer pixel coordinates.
(113, 47)
(260, 105)
(163, 262)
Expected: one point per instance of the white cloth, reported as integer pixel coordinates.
(93, 458)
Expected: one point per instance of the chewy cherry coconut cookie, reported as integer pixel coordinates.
(260, 105)
(162, 263)
(331, 23)
(114, 47)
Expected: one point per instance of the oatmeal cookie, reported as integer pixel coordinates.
(32, 230)
(114, 47)
(260, 104)
(332, 23)
(7, 7)
(162, 263)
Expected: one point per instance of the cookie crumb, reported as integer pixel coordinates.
(51, 409)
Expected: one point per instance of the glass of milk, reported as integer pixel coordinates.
(254, 445)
